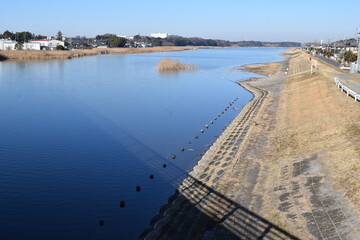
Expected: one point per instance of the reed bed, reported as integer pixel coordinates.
(25, 55)
(169, 65)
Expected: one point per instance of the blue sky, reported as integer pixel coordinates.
(275, 20)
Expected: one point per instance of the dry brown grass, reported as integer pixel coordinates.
(25, 55)
(169, 65)
(316, 118)
(312, 118)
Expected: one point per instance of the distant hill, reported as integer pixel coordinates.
(266, 44)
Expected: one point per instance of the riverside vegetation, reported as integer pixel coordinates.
(169, 65)
(25, 55)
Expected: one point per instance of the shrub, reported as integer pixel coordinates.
(117, 42)
(169, 65)
(60, 47)
(349, 56)
(19, 46)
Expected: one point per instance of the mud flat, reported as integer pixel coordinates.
(265, 69)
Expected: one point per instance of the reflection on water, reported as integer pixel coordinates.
(78, 136)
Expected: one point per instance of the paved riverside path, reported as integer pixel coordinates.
(328, 61)
(351, 81)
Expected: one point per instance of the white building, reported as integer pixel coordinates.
(126, 37)
(31, 46)
(353, 49)
(10, 45)
(49, 43)
(159, 35)
(7, 44)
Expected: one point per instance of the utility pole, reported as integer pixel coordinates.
(358, 53)
(328, 45)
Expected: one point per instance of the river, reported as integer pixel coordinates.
(78, 136)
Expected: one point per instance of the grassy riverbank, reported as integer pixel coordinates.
(287, 166)
(28, 55)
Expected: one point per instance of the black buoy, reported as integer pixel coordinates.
(225, 109)
(164, 165)
(215, 119)
(182, 149)
(173, 156)
(211, 122)
(138, 188)
(151, 176)
(101, 222)
(206, 126)
(196, 137)
(202, 131)
(122, 203)
(222, 112)
(218, 115)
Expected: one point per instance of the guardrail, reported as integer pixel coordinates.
(348, 91)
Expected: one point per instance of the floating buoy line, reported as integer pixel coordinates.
(173, 156)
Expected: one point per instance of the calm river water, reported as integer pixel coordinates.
(77, 137)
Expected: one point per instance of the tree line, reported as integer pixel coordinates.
(115, 41)
(182, 41)
(267, 44)
(21, 36)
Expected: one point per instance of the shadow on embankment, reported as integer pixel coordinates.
(196, 211)
(3, 58)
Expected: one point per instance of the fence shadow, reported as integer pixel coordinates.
(196, 211)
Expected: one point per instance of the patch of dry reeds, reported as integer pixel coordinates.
(26, 55)
(169, 65)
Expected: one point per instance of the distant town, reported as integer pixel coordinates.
(30, 41)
